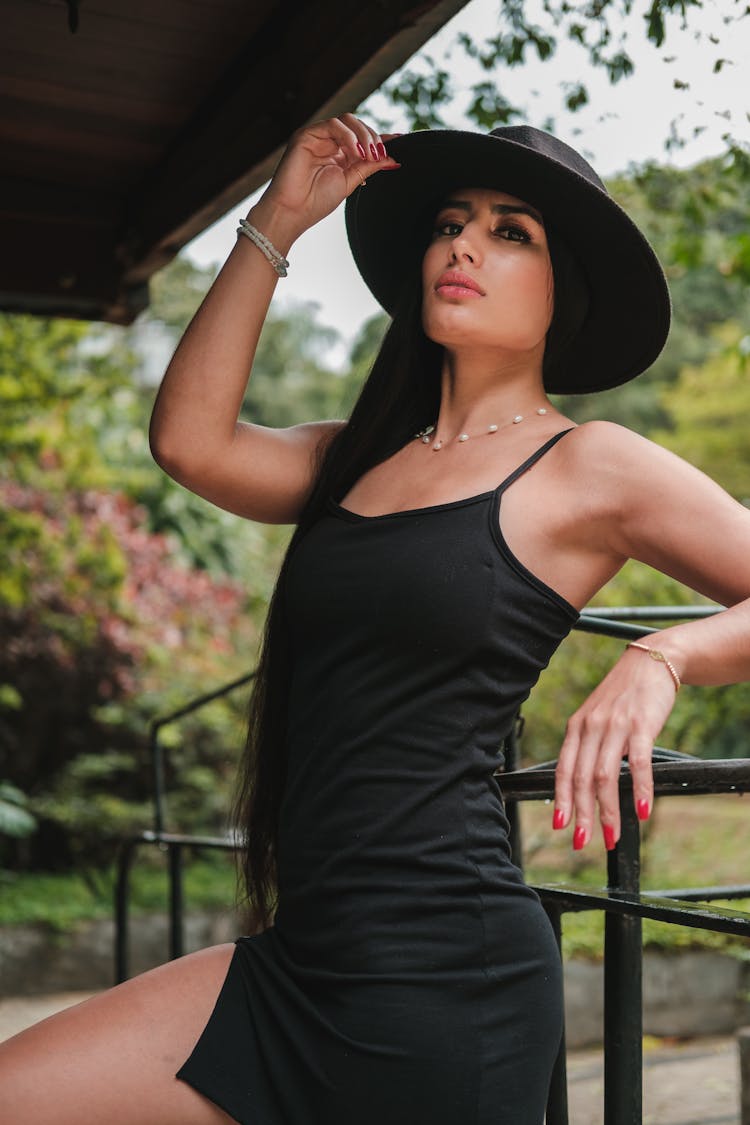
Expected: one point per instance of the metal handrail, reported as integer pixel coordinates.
(653, 612)
(622, 902)
(157, 751)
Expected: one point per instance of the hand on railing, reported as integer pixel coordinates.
(622, 716)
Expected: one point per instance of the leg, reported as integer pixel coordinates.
(113, 1057)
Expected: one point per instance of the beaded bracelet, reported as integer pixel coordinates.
(277, 260)
(656, 655)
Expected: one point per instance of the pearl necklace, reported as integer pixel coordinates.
(425, 433)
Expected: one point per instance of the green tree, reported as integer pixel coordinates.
(695, 219)
(94, 607)
(709, 406)
(290, 382)
(423, 88)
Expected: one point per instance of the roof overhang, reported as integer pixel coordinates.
(123, 141)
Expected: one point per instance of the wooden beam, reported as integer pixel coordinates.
(55, 265)
(88, 212)
(49, 203)
(281, 80)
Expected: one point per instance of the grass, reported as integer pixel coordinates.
(687, 842)
(64, 901)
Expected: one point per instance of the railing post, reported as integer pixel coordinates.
(743, 1046)
(176, 943)
(557, 1100)
(122, 895)
(623, 999)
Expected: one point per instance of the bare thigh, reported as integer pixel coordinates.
(113, 1058)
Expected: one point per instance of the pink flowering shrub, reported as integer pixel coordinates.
(101, 629)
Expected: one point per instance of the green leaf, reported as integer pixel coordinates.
(15, 819)
(576, 97)
(10, 698)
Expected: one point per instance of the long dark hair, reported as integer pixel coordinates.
(400, 396)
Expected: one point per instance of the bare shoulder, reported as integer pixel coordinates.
(606, 442)
(646, 502)
(617, 482)
(617, 463)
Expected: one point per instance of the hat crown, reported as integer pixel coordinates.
(551, 147)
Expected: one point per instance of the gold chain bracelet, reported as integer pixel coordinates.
(656, 655)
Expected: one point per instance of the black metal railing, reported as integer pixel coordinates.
(621, 899)
(171, 843)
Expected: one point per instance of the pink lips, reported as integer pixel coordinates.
(457, 291)
(455, 283)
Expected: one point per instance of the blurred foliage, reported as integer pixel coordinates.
(62, 901)
(15, 819)
(96, 614)
(693, 218)
(688, 841)
(104, 622)
(424, 90)
(704, 406)
(583, 935)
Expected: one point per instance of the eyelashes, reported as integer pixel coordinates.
(513, 227)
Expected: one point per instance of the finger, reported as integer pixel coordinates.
(640, 752)
(351, 136)
(564, 771)
(367, 139)
(372, 142)
(375, 146)
(607, 780)
(583, 780)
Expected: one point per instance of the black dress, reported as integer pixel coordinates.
(410, 977)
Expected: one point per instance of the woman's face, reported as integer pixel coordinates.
(498, 240)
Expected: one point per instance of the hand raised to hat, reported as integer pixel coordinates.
(322, 165)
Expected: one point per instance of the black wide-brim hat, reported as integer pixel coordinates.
(389, 222)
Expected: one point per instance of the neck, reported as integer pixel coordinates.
(472, 399)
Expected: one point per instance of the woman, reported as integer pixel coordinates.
(409, 975)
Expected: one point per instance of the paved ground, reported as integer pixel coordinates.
(691, 1083)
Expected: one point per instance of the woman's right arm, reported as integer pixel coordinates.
(195, 434)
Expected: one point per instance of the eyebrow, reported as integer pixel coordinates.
(497, 209)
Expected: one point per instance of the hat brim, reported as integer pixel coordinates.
(388, 223)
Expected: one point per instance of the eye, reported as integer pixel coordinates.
(446, 223)
(519, 233)
(514, 229)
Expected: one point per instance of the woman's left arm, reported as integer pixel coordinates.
(663, 511)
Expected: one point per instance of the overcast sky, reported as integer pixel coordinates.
(623, 123)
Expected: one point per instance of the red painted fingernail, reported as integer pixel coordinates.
(381, 150)
(558, 819)
(609, 836)
(579, 837)
(643, 810)
(374, 152)
(390, 167)
(361, 151)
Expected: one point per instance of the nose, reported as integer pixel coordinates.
(463, 246)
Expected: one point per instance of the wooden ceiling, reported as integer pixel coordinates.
(123, 140)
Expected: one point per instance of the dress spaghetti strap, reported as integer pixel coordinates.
(533, 458)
